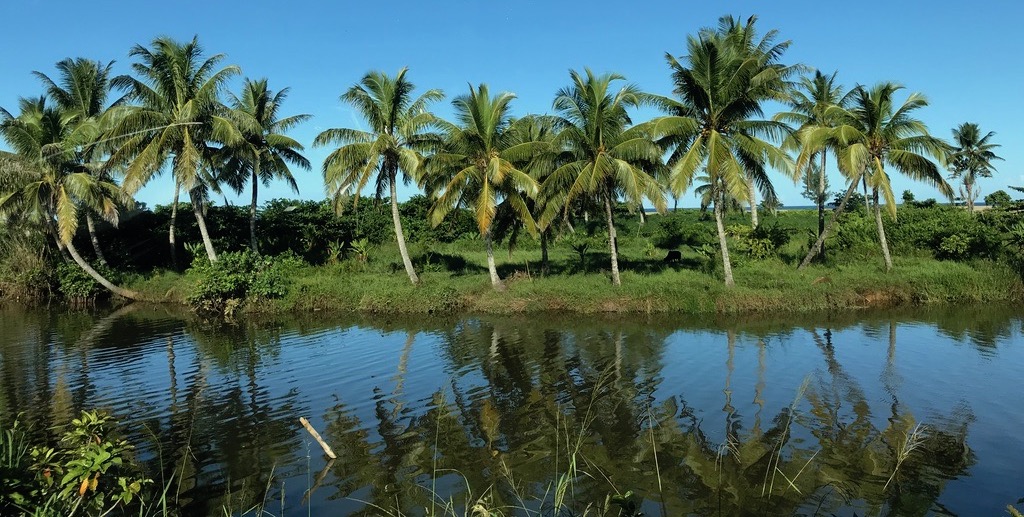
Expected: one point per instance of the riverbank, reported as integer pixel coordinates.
(768, 286)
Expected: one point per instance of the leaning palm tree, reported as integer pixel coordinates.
(869, 135)
(971, 158)
(809, 104)
(714, 128)
(478, 164)
(57, 184)
(81, 91)
(398, 133)
(264, 151)
(606, 157)
(178, 118)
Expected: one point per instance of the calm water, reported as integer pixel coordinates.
(697, 417)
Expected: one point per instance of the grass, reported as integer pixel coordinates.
(768, 286)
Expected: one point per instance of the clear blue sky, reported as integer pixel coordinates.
(967, 57)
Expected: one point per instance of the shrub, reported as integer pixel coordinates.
(954, 247)
(224, 284)
(88, 469)
(75, 284)
(998, 199)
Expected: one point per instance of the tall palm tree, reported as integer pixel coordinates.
(544, 159)
(809, 104)
(873, 132)
(264, 152)
(479, 156)
(762, 57)
(606, 157)
(398, 133)
(714, 128)
(971, 158)
(81, 93)
(48, 144)
(179, 117)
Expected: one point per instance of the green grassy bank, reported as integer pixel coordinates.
(762, 286)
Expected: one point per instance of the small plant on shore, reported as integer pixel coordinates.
(89, 470)
(225, 284)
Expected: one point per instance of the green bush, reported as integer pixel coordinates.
(75, 284)
(89, 470)
(235, 277)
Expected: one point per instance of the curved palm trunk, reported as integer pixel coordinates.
(881, 230)
(752, 194)
(174, 221)
(197, 208)
(612, 245)
(252, 209)
(495, 280)
(821, 203)
(95, 241)
(820, 243)
(726, 264)
(399, 236)
(124, 293)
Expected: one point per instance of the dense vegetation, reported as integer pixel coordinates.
(555, 188)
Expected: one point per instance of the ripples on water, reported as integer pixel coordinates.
(743, 416)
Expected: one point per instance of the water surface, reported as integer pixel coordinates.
(694, 416)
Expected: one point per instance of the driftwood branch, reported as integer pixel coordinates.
(316, 436)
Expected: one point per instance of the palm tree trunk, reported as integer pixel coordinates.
(124, 293)
(544, 263)
(969, 197)
(643, 219)
(821, 203)
(399, 236)
(881, 230)
(95, 241)
(170, 234)
(252, 208)
(752, 194)
(820, 243)
(726, 264)
(495, 280)
(197, 208)
(867, 200)
(611, 239)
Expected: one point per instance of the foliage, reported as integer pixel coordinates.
(237, 276)
(75, 284)
(89, 468)
(998, 199)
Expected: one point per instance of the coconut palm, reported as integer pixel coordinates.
(539, 165)
(81, 93)
(713, 127)
(971, 158)
(761, 55)
(478, 163)
(606, 157)
(264, 152)
(178, 118)
(48, 146)
(809, 104)
(398, 133)
(873, 132)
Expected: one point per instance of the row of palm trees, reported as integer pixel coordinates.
(532, 172)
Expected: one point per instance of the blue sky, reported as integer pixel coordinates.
(966, 57)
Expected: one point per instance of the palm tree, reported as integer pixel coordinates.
(179, 116)
(870, 134)
(49, 145)
(714, 127)
(81, 94)
(810, 104)
(398, 134)
(479, 158)
(606, 157)
(264, 152)
(971, 158)
(761, 57)
(539, 165)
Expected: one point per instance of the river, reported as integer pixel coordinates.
(895, 413)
